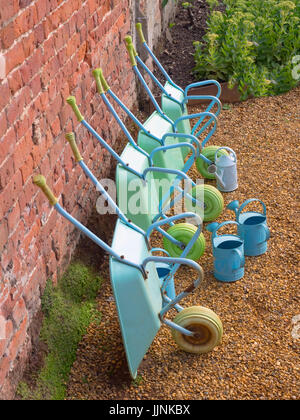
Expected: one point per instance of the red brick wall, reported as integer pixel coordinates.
(49, 48)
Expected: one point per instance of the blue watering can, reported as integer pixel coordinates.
(228, 252)
(252, 227)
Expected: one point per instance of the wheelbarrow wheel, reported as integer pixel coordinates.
(184, 232)
(212, 199)
(209, 153)
(206, 325)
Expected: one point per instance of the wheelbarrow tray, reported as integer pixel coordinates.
(171, 159)
(138, 301)
(173, 110)
(129, 184)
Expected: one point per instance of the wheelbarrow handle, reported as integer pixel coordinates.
(140, 32)
(130, 50)
(40, 181)
(128, 41)
(71, 139)
(104, 83)
(97, 77)
(71, 100)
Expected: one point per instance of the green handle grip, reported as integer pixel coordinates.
(40, 181)
(140, 32)
(96, 74)
(131, 55)
(71, 100)
(71, 139)
(103, 81)
(128, 41)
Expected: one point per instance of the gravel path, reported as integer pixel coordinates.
(258, 358)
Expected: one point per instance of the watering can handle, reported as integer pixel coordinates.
(250, 200)
(226, 148)
(241, 257)
(229, 222)
(71, 100)
(140, 32)
(71, 139)
(40, 181)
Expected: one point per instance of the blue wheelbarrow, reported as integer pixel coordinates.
(174, 103)
(141, 286)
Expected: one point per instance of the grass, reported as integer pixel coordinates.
(68, 310)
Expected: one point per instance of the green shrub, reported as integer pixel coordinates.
(68, 309)
(251, 44)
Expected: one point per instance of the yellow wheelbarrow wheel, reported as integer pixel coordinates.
(184, 232)
(209, 153)
(206, 325)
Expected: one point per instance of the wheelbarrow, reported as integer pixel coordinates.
(157, 131)
(134, 165)
(174, 102)
(140, 286)
(160, 153)
(175, 239)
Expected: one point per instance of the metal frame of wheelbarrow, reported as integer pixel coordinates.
(156, 225)
(174, 98)
(156, 130)
(178, 105)
(169, 156)
(128, 161)
(139, 291)
(174, 158)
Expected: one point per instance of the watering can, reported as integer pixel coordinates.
(228, 252)
(252, 227)
(225, 170)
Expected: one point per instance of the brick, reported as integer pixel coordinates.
(15, 109)
(17, 340)
(13, 217)
(14, 56)
(7, 144)
(3, 124)
(4, 368)
(4, 95)
(19, 312)
(3, 233)
(10, 192)
(23, 148)
(8, 35)
(6, 172)
(15, 81)
(9, 10)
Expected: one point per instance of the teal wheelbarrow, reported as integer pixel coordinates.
(141, 286)
(164, 152)
(174, 102)
(175, 239)
(135, 171)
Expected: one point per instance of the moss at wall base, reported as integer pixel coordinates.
(68, 310)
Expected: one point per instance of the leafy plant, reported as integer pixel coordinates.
(251, 45)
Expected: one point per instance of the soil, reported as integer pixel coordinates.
(176, 51)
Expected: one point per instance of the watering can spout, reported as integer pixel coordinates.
(234, 205)
(212, 226)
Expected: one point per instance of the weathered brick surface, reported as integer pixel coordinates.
(49, 49)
